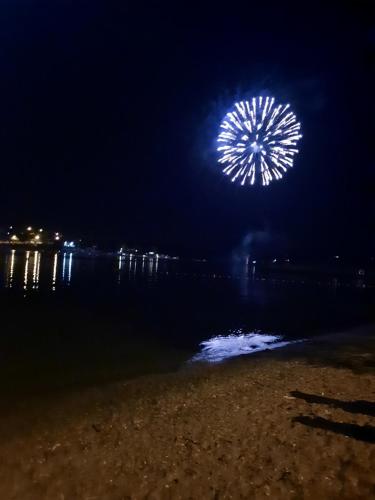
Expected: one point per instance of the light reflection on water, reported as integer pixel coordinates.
(10, 270)
(54, 272)
(31, 270)
(70, 267)
(66, 272)
(26, 273)
(134, 265)
(24, 269)
(119, 301)
(222, 347)
(35, 270)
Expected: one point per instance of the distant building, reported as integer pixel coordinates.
(30, 236)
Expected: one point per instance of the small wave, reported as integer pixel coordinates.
(222, 347)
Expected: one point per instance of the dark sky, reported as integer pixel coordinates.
(110, 110)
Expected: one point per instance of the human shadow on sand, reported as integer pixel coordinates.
(364, 433)
(360, 406)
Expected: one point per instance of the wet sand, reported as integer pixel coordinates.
(294, 423)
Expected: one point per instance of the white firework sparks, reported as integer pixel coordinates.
(258, 139)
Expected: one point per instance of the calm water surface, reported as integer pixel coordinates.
(71, 321)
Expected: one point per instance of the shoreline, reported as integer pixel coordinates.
(276, 424)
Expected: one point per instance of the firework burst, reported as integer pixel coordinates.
(258, 139)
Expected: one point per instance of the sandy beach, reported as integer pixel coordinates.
(294, 423)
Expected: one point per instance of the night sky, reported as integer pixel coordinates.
(110, 111)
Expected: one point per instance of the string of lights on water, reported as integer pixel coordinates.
(31, 261)
(24, 270)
